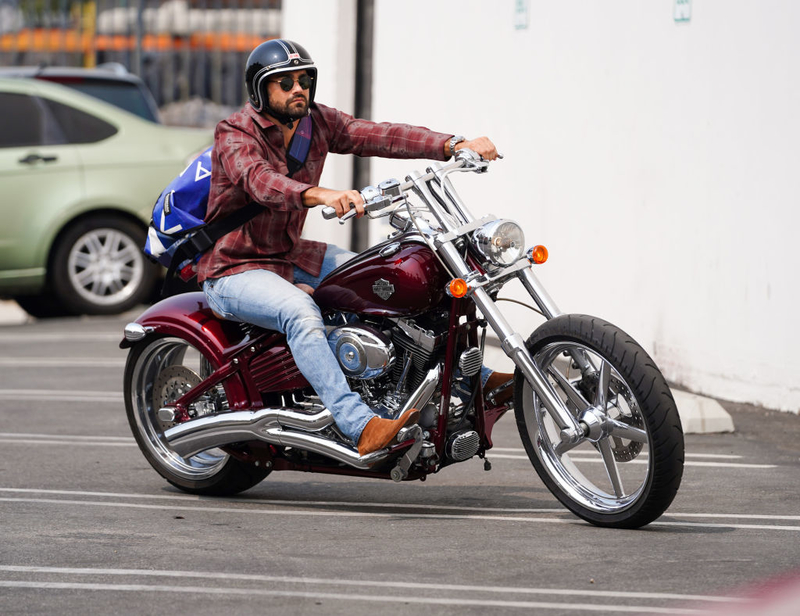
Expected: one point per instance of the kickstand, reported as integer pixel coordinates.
(400, 471)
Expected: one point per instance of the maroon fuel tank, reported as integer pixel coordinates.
(400, 277)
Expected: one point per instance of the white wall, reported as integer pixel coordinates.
(326, 28)
(656, 160)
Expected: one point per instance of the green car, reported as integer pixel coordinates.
(78, 179)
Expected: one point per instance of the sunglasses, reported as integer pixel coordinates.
(287, 83)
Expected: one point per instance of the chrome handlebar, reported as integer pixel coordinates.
(389, 192)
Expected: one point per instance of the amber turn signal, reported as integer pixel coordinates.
(537, 254)
(458, 287)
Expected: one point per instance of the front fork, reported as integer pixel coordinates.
(514, 346)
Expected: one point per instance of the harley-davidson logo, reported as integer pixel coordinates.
(383, 288)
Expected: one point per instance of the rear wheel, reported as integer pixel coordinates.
(626, 471)
(160, 370)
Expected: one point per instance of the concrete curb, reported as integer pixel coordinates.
(701, 415)
(12, 314)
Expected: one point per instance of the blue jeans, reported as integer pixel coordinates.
(265, 299)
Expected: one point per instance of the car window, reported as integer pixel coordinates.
(26, 121)
(122, 94)
(79, 126)
(21, 121)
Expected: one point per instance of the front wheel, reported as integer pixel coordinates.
(626, 470)
(160, 370)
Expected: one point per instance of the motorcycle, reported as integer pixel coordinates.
(216, 405)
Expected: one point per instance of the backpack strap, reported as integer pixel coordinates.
(205, 237)
(299, 145)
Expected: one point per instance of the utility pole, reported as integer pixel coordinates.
(365, 22)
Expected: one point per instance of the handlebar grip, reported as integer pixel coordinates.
(328, 212)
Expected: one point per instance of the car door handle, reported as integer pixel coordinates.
(32, 158)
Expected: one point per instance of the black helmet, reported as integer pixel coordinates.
(270, 58)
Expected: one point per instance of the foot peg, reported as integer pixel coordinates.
(400, 471)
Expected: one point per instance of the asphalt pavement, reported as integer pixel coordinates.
(89, 527)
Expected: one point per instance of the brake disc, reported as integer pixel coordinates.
(625, 451)
(170, 384)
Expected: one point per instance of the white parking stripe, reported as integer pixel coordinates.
(405, 599)
(214, 575)
(62, 337)
(264, 501)
(16, 441)
(372, 514)
(598, 460)
(717, 456)
(277, 501)
(62, 362)
(65, 395)
(72, 437)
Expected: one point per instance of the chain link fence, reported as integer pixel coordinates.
(184, 50)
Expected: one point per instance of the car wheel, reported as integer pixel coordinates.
(98, 266)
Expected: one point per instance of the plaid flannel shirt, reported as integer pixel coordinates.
(249, 163)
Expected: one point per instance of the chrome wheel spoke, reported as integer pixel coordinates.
(611, 467)
(622, 430)
(565, 446)
(573, 395)
(601, 395)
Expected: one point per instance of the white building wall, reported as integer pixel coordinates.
(656, 160)
(326, 28)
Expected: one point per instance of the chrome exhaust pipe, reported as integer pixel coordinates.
(192, 437)
(424, 392)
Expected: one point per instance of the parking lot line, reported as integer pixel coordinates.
(214, 575)
(578, 457)
(373, 514)
(60, 394)
(61, 337)
(716, 456)
(405, 599)
(62, 362)
(72, 437)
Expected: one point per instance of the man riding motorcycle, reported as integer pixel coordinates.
(272, 151)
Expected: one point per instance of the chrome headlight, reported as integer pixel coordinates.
(501, 241)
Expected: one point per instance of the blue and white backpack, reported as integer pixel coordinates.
(180, 209)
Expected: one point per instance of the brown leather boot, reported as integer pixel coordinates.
(496, 379)
(379, 432)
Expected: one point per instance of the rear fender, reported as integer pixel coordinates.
(188, 316)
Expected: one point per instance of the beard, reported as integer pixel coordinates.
(294, 108)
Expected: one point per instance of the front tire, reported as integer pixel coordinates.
(159, 370)
(628, 470)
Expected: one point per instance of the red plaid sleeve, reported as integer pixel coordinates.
(389, 140)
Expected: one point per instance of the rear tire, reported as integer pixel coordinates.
(639, 473)
(159, 370)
